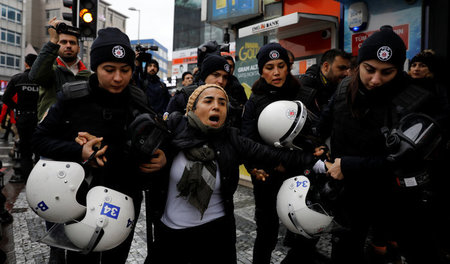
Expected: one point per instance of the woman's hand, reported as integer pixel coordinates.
(156, 163)
(91, 152)
(260, 175)
(335, 170)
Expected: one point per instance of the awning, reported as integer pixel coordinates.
(293, 25)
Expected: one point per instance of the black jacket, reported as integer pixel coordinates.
(157, 94)
(27, 93)
(101, 114)
(231, 150)
(262, 95)
(316, 91)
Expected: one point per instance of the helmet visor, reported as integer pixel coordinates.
(56, 237)
(302, 128)
(312, 221)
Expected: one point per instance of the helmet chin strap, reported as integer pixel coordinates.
(295, 221)
(95, 238)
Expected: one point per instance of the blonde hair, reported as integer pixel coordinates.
(192, 101)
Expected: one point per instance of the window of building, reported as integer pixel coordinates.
(9, 60)
(10, 37)
(12, 14)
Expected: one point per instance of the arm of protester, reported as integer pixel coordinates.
(42, 71)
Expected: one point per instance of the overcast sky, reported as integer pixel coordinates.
(156, 19)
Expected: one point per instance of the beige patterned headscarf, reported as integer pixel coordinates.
(194, 96)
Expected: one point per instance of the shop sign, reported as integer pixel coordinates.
(269, 25)
(358, 39)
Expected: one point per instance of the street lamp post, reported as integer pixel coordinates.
(139, 22)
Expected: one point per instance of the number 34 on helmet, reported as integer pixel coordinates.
(54, 193)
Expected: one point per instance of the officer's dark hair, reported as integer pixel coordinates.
(228, 57)
(290, 54)
(185, 73)
(331, 54)
(30, 58)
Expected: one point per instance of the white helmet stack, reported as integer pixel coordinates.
(105, 221)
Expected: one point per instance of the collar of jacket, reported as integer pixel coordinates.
(289, 89)
(81, 66)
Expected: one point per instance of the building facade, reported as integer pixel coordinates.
(189, 33)
(22, 30)
(12, 39)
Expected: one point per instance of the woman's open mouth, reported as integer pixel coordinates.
(214, 120)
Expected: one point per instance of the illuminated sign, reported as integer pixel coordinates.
(232, 10)
(269, 25)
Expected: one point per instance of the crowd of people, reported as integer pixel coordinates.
(390, 190)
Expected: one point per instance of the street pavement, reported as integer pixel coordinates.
(20, 238)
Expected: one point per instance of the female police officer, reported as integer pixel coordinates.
(99, 113)
(367, 104)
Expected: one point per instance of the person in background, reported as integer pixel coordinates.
(56, 64)
(90, 124)
(7, 120)
(26, 109)
(291, 59)
(422, 65)
(147, 79)
(320, 80)
(187, 78)
(236, 94)
(196, 208)
(215, 70)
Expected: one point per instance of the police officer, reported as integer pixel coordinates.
(90, 124)
(26, 109)
(389, 197)
(214, 70)
(276, 83)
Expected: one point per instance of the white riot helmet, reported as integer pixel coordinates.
(300, 214)
(282, 121)
(105, 221)
(108, 221)
(52, 190)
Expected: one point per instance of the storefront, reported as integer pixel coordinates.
(306, 28)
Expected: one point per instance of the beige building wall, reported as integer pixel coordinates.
(12, 54)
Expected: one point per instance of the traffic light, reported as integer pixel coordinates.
(72, 4)
(87, 18)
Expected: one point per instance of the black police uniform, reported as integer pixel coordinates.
(372, 198)
(265, 192)
(316, 90)
(26, 110)
(85, 107)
